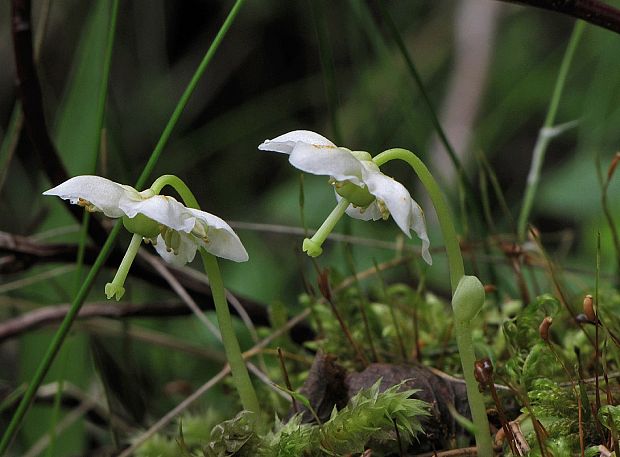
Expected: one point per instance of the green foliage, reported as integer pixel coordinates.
(369, 419)
(233, 437)
(609, 415)
(554, 405)
(290, 439)
(371, 416)
(530, 357)
(158, 446)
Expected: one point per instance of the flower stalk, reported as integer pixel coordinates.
(240, 375)
(467, 293)
(239, 372)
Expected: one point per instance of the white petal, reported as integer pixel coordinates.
(107, 196)
(406, 212)
(163, 209)
(223, 241)
(419, 227)
(185, 253)
(338, 163)
(370, 213)
(285, 143)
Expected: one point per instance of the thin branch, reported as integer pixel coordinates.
(23, 252)
(49, 315)
(592, 11)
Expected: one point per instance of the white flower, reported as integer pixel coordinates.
(175, 230)
(313, 153)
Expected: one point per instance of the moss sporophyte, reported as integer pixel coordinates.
(364, 192)
(177, 232)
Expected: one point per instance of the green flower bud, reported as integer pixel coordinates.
(142, 225)
(468, 298)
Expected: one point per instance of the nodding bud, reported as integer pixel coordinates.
(543, 329)
(588, 308)
(468, 298)
(613, 165)
(483, 372)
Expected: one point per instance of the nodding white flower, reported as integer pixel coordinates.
(175, 230)
(373, 195)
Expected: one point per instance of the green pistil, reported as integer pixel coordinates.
(115, 288)
(357, 195)
(142, 225)
(312, 246)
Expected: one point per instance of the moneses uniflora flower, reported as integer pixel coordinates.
(175, 230)
(356, 178)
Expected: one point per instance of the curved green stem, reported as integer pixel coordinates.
(453, 250)
(177, 184)
(240, 375)
(457, 272)
(313, 245)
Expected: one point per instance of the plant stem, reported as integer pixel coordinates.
(240, 375)
(546, 132)
(189, 90)
(465, 346)
(457, 271)
(453, 250)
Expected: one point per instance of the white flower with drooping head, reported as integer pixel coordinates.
(175, 230)
(372, 194)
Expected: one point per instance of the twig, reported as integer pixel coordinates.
(463, 452)
(592, 11)
(53, 314)
(23, 252)
(180, 291)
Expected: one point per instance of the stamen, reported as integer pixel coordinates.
(88, 206)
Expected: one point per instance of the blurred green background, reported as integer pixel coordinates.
(331, 67)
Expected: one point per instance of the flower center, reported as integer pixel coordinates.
(201, 231)
(358, 196)
(172, 239)
(142, 225)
